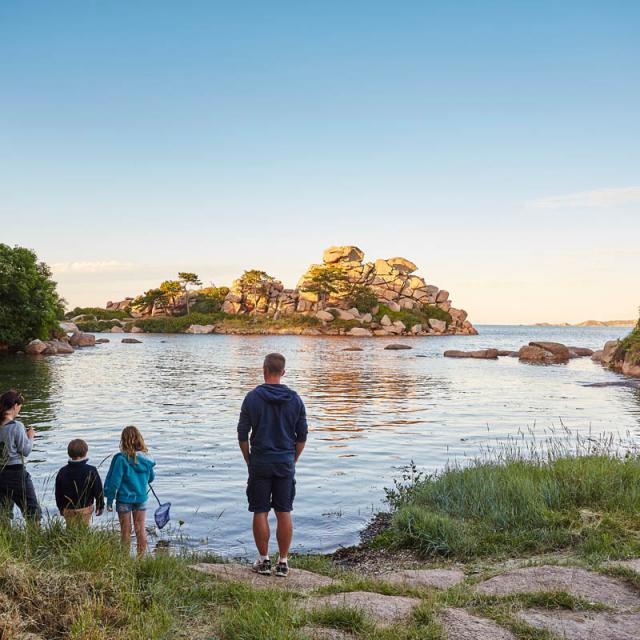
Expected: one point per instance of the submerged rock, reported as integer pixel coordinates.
(397, 347)
(484, 354)
(131, 341)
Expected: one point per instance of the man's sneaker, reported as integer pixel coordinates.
(282, 570)
(263, 567)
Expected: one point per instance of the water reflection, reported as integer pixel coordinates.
(35, 379)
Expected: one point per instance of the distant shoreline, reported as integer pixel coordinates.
(589, 323)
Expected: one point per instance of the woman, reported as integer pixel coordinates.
(128, 483)
(16, 443)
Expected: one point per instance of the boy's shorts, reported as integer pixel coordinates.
(128, 507)
(271, 485)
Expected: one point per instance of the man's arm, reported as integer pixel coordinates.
(301, 431)
(244, 426)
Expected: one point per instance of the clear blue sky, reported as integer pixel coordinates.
(496, 144)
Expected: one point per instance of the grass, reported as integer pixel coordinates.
(584, 501)
(519, 505)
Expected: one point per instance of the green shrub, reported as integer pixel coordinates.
(178, 324)
(629, 348)
(411, 317)
(431, 311)
(98, 312)
(210, 300)
(97, 326)
(30, 306)
(363, 298)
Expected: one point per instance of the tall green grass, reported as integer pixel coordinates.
(585, 496)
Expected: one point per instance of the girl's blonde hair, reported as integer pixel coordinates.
(131, 442)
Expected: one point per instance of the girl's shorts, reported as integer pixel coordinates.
(128, 507)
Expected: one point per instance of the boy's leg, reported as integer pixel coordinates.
(125, 529)
(141, 532)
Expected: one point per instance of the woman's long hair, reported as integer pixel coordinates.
(131, 442)
(8, 400)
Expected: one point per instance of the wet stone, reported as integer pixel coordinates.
(580, 625)
(416, 578)
(297, 580)
(462, 625)
(383, 610)
(580, 583)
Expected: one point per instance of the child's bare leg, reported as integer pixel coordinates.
(141, 533)
(125, 529)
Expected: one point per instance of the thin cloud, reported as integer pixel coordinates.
(599, 198)
(101, 266)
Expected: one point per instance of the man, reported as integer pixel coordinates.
(275, 417)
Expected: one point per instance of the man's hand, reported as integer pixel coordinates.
(299, 448)
(244, 447)
(31, 434)
(109, 509)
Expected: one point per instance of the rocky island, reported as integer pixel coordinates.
(343, 295)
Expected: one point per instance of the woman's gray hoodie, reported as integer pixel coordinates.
(14, 444)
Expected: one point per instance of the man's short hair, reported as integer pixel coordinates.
(274, 364)
(77, 448)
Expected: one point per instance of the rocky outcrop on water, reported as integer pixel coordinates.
(63, 345)
(534, 353)
(390, 282)
(622, 355)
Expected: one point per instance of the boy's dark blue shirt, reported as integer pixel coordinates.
(276, 418)
(78, 485)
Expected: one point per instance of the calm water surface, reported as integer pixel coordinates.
(370, 413)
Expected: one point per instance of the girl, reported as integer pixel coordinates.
(128, 483)
(16, 443)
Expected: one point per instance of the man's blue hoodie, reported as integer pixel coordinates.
(276, 417)
(126, 481)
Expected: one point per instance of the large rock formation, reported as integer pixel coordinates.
(392, 282)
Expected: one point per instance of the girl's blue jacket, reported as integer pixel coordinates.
(126, 481)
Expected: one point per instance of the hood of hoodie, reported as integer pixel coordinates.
(275, 393)
(143, 464)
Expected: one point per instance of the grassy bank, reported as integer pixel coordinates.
(78, 584)
(515, 506)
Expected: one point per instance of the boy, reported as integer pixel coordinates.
(78, 486)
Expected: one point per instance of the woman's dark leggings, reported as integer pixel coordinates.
(16, 487)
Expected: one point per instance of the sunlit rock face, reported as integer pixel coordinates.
(392, 281)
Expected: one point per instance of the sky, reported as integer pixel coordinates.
(494, 144)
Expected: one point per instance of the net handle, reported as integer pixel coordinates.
(155, 494)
